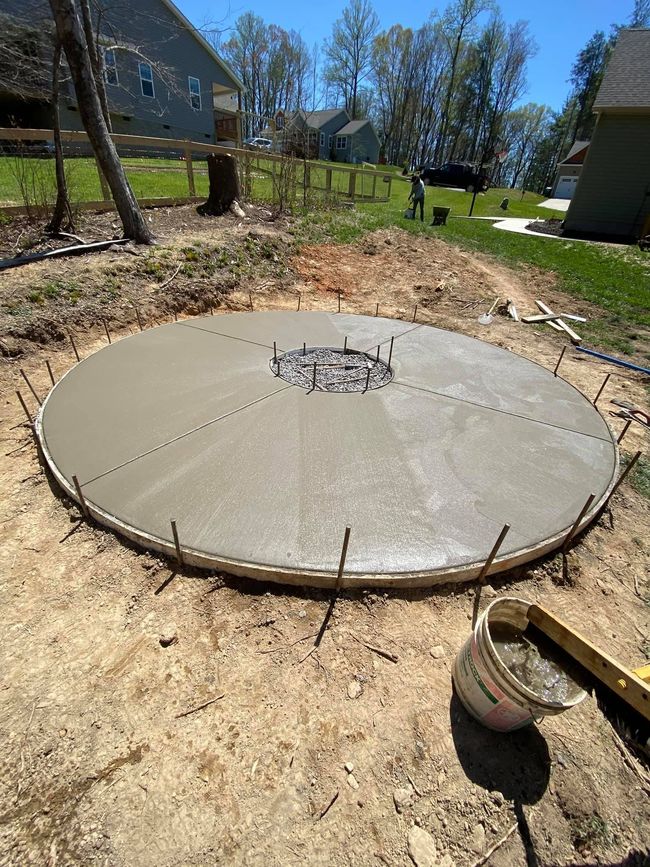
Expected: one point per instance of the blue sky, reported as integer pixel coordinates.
(560, 28)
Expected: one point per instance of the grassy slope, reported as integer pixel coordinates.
(616, 278)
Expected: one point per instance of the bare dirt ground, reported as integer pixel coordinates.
(102, 764)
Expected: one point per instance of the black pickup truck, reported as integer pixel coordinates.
(462, 175)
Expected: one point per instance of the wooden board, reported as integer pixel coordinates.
(559, 323)
(625, 683)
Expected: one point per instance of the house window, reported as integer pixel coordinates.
(195, 92)
(146, 80)
(341, 142)
(329, 142)
(110, 67)
(322, 139)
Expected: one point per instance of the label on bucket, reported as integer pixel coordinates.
(481, 695)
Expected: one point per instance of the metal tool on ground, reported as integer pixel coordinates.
(631, 412)
(486, 318)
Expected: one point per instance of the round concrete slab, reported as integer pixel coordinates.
(187, 422)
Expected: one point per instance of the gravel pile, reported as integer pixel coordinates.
(335, 370)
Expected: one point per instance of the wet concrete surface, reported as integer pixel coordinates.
(187, 422)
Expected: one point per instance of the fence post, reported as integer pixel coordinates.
(390, 184)
(190, 170)
(106, 190)
(352, 184)
(374, 186)
(328, 180)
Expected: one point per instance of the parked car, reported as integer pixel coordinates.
(263, 143)
(462, 175)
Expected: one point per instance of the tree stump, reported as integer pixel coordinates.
(224, 186)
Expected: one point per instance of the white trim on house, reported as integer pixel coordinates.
(203, 42)
(195, 93)
(341, 142)
(144, 80)
(112, 79)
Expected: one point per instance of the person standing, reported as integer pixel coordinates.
(417, 195)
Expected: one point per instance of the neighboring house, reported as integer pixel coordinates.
(162, 78)
(568, 171)
(612, 196)
(331, 135)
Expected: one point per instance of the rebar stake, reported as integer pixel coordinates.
(378, 350)
(49, 370)
(29, 385)
(108, 335)
(484, 571)
(179, 555)
(624, 431)
(313, 388)
(345, 346)
(25, 407)
(415, 312)
(299, 300)
(390, 351)
(137, 316)
(367, 380)
(621, 479)
(82, 499)
(600, 390)
(250, 300)
(73, 346)
(576, 524)
(339, 294)
(344, 551)
(377, 309)
(557, 366)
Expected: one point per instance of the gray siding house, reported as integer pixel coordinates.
(612, 196)
(162, 78)
(568, 171)
(331, 135)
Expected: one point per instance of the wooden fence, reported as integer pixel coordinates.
(334, 180)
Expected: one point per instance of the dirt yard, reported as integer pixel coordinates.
(156, 716)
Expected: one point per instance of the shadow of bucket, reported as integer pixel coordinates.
(487, 688)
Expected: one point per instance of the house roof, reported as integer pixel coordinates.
(626, 84)
(316, 119)
(573, 157)
(203, 43)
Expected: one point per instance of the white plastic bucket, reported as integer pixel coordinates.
(489, 690)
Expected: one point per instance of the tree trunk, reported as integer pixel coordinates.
(96, 61)
(62, 207)
(224, 186)
(71, 35)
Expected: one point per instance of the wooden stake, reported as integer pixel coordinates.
(49, 370)
(574, 528)
(24, 406)
(73, 346)
(344, 551)
(108, 335)
(29, 385)
(415, 312)
(137, 314)
(82, 499)
(600, 390)
(559, 361)
(390, 351)
(484, 571)
(622, 478)
(624, 431)
(179, 554)
(377, 309)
